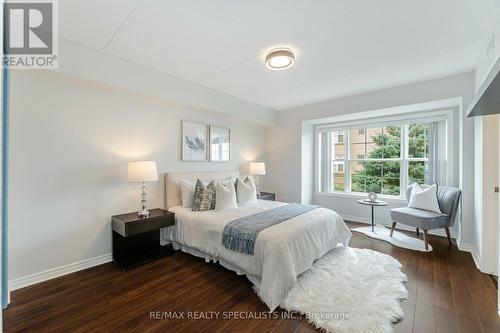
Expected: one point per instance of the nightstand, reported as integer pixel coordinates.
(267, 196)
(137, 240)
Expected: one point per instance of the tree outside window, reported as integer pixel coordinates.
(380, 170)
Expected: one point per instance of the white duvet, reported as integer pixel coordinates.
(282, 251)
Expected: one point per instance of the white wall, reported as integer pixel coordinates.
(489, 253)
(90, 64)
(486, 200)
(488, 57)
(70, 144)
(1, 180)
(478, 189)
(284, 142)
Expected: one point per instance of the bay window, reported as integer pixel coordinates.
(383, 158)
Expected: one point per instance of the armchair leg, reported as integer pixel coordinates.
(448, 235)
(418, 232)
(392, 228)
(426, 240)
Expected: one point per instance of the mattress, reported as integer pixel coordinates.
(282, 251)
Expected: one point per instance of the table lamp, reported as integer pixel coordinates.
(142, 172)
(257, 169)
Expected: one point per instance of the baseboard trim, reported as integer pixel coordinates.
(28, 280)
(472, 250)
(436, 232)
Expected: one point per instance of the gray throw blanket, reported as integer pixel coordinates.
(240, 234)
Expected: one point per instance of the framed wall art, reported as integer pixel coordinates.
(194, 142)
(220, 144)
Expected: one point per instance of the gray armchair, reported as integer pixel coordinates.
(448, 199)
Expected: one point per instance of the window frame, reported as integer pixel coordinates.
(443, 116)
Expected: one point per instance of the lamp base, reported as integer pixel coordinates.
(256, 181)
(143, 214)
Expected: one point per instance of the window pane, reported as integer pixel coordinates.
(418, 172)
(392, 142)
(362, 142)
(338, 148)
(338, 166)
(366, 177)
(372, 135)
(376, 176)
(357, 150)
(358, 179)
(384, 144)
(418, 140)
(338, 136)
(338, 176)
(380, 143)
(357, 136)
(391, 173)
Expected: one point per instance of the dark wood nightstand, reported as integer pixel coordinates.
(137, 240)
(267, 196)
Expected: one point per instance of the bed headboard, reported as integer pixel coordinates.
(173, 183)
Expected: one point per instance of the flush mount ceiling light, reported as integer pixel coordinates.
(280, 59)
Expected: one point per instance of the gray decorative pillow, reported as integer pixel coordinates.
(204, 196)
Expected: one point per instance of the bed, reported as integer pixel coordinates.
(282, 251)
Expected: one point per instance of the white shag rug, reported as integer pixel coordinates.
(351, 290)
(398, 238)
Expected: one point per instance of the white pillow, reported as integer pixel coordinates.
(187, 193)
(425, 199)
(233, 179)
(246, 192)
(225, 195)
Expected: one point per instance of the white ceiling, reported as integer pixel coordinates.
(343, 47)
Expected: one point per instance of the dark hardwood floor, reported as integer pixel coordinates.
(446, 294)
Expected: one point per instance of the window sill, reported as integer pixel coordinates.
(355, 196)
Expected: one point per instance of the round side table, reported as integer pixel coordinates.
(372, 204)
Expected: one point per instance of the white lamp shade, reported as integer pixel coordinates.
(142, 171)
(257, 168)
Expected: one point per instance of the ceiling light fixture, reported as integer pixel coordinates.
(280, 59)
